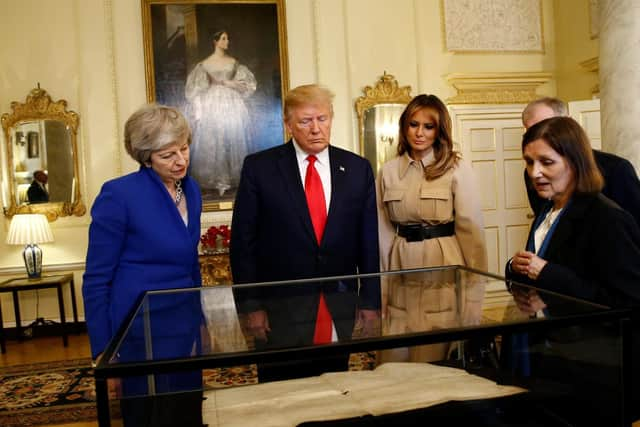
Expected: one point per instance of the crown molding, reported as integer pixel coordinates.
(496, 88)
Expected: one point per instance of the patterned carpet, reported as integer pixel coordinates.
(41, 393)
(63, 391)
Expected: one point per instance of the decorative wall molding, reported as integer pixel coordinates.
(594, 18)
(493, 25)
(593, 65)
(111, 61)
(496, 88)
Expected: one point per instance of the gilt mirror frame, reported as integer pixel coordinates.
(386, 91)
(39, 106)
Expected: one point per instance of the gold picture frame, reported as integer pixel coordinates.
(230, 89)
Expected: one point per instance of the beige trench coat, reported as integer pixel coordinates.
(417, 303)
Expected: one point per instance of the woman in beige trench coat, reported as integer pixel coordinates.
(429, 215)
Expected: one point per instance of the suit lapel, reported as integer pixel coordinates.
(338, 188)
(288, 165)
(575, 213)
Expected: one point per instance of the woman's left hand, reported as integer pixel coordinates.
(528, 264)
(528, 301)
(232, 84)
(536, 264)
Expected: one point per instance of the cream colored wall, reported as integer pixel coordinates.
(574, 45)
(90, 53)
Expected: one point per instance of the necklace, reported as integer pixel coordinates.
(178, 198)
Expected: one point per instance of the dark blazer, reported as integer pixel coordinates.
(139, 242)
(621, 184)
(37, 194)
(593, 254)
(272, 239)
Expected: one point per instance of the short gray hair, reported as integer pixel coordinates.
(152, 127)
(557, 105)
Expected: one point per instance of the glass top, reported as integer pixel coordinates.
(421, 306)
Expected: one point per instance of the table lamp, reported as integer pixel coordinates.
(29, 230)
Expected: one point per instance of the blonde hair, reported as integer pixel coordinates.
(312, 94)
(153, 127)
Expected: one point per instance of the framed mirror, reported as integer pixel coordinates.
(379, 111)
(40, 138)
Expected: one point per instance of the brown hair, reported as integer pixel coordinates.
(567, 138)
(445, 156)
(216, 37)
(152, 127)
(307, 94)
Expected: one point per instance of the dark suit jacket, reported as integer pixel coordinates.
(273, 239)
(621, 184)
(36, 194)
(593, 254)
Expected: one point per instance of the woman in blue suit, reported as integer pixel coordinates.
(144, 235)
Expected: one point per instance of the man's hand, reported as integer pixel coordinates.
(368, 323)
(258, 324)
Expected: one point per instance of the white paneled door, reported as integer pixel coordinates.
(489, 137)
(587, 113)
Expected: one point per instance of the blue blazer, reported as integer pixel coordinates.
(139, 242)
(272, 239)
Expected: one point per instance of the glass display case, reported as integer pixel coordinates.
(441, 353)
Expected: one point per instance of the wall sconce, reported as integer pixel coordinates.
(33, 149)
(29, 230)
(388, 132)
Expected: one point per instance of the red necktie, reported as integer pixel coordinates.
(318, 212)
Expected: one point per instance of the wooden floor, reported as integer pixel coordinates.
(46, 349)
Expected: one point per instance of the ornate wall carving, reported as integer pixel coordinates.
(493, 25)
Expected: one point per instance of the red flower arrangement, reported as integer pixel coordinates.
(216, 239)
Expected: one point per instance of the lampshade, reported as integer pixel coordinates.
(27, 229)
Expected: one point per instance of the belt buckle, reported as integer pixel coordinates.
(414, 233)
(427, 232)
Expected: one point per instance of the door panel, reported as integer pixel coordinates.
(489, 137)
(587, 113)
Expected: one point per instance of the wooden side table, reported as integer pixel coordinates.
(45, 282)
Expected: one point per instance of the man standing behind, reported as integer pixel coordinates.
(621, 182)
(37, 192)
(305, 209)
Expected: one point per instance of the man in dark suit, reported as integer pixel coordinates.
(621, 182)
(37, 192)
(276, 236)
